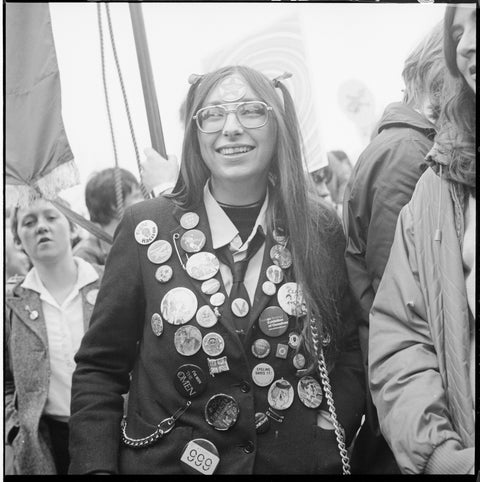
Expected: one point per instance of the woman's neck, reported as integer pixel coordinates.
(238, 193)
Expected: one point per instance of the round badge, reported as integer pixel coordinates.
(275, 274)
(232, 88)
(269, 288)
(273, 321)
(193, 241)
(309, 392)
(188, 340)
(263, 374)
(145, 232)
(293, 339)
(217, 299)
(260, 348)
(290, 298)
(91, 296)
(213, 344)
(199, 456)
(164, 273)
(221, 411)
(178, 306)
(206, 317)
(33, 315)
(189, 220)
(280, 394)
(159, 251)
(210, 286)
(190, 381)
(299, 361)
(202, 266)
(279, 235)
(157, 324)
(240, 307)
(281, 256)
(262, 422)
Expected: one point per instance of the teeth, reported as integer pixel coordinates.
(228, 151)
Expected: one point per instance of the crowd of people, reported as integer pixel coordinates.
(251, 317)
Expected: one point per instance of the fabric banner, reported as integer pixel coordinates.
(273, 51)
(39, 161)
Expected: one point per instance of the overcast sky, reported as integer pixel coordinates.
(367, 43)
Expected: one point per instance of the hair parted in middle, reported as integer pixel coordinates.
(313, 227)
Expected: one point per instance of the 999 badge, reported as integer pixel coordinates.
(200, 456)
(146, 231)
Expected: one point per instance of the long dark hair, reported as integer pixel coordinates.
(315, 232)
(457, 124)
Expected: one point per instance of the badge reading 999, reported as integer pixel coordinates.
(200, 456)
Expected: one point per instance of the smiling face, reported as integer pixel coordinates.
(44, 232)
(236, 153)
(463, 33)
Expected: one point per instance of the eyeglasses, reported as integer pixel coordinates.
(251, 115)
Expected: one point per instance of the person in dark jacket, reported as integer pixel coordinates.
(382, 182)
(225, 309)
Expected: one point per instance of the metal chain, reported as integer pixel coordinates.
(322, 369)
(125, 100)
(116, 173)
(140, 442)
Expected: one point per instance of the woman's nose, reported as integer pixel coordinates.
(232, 126)
(468, 43)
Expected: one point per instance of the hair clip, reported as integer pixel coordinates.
(194, 78)
(285, 75)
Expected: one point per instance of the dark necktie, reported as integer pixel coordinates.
(239, 295)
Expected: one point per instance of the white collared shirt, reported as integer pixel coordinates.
(65, 329)
(224, 232)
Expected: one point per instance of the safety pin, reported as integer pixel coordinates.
(175, 237)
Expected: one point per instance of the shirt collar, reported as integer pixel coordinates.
(223, 230)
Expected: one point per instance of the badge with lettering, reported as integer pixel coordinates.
(190, 381)
(217, 299)
(189, 220)
(232, 88)
(281, 256)
(240, 307)
(91, 296)
(282, 351)
(178, 306)
(188, 340)
(217, 365)
(262, 422)
(309, 392)
(280, 394)
(299, 361)
(263, 374)
(159, 251)
(157, 324)
(199, 456)
(193, 241)
(275, 274)
(273, 321)
(213, 344)
(269, 288)
(145, 232)
(164, 273)
(221, 411)
(202, 266)
(210, 286)
(260, 348)
(206, 317)
(290, 298)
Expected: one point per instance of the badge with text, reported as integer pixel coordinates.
(263, 374)
(290, 298)
(273, 321)
(159, 251)
(145, 232)
(260, 348)
(221, 411)
(309, 392)
(200, 456)
(280, 394)
(202, 266)
(189, 220)
(190, 381)
(213, 344)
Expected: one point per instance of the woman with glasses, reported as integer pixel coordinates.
(221, 302)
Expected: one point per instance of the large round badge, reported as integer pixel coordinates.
(193, 241)
(290, 298)
(309, 392)
(157, 324)
(260, 348)
(210, 286)
(240, 307)
(217, 299)
(269, 288)
(263, 374)
(199, 456)
(190, 381)
(164, 273)
(280, 394)
(145, 232)
(206, 317)
(202, 266)
(178, 306)
(275, 274)
(159, 251)
(221, 411)
(188, 340)
(213, 344)
(273, 321)
(189, 220)
(281, 256)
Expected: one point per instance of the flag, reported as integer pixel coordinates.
(280, 48)
(39, 161)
